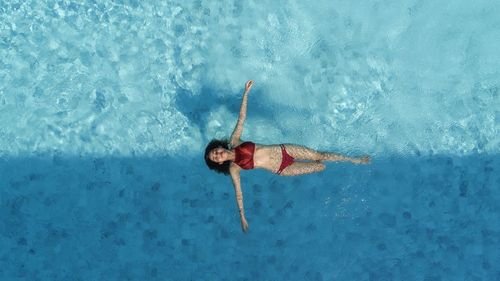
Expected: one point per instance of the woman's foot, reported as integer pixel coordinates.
(362, 160)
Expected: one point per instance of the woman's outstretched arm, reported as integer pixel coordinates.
(235, 176)
(235, 136)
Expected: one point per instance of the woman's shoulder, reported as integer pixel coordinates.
(232, 144)
(236, 143)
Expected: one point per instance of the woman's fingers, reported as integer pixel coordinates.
(244, 225)
(248, 85)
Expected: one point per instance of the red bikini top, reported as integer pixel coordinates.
(244, 155)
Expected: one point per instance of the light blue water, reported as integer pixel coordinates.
(106, 107)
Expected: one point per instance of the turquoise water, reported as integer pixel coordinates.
(106, 107)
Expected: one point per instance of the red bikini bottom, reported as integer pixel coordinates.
(286, 160)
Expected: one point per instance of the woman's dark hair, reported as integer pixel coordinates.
(222, 168)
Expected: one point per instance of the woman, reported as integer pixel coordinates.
(229, 157)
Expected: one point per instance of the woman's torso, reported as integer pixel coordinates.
(266, 156)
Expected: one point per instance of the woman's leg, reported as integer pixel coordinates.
(301, 168)
(305, 153)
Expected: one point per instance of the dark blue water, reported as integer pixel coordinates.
(413, 218)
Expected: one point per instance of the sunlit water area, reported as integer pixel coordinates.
(106, 108)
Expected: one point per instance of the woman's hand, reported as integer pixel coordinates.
(244, 224)
(248, 85)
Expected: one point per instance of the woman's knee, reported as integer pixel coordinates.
(322, 167)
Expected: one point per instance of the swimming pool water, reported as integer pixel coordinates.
(105, 109)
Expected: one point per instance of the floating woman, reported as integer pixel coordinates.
(230, 157)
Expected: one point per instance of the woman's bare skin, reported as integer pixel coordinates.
(269, 157)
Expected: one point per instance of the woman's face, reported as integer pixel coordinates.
(218, 155)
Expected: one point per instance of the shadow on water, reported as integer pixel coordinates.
(401, 218)
(197, 109)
